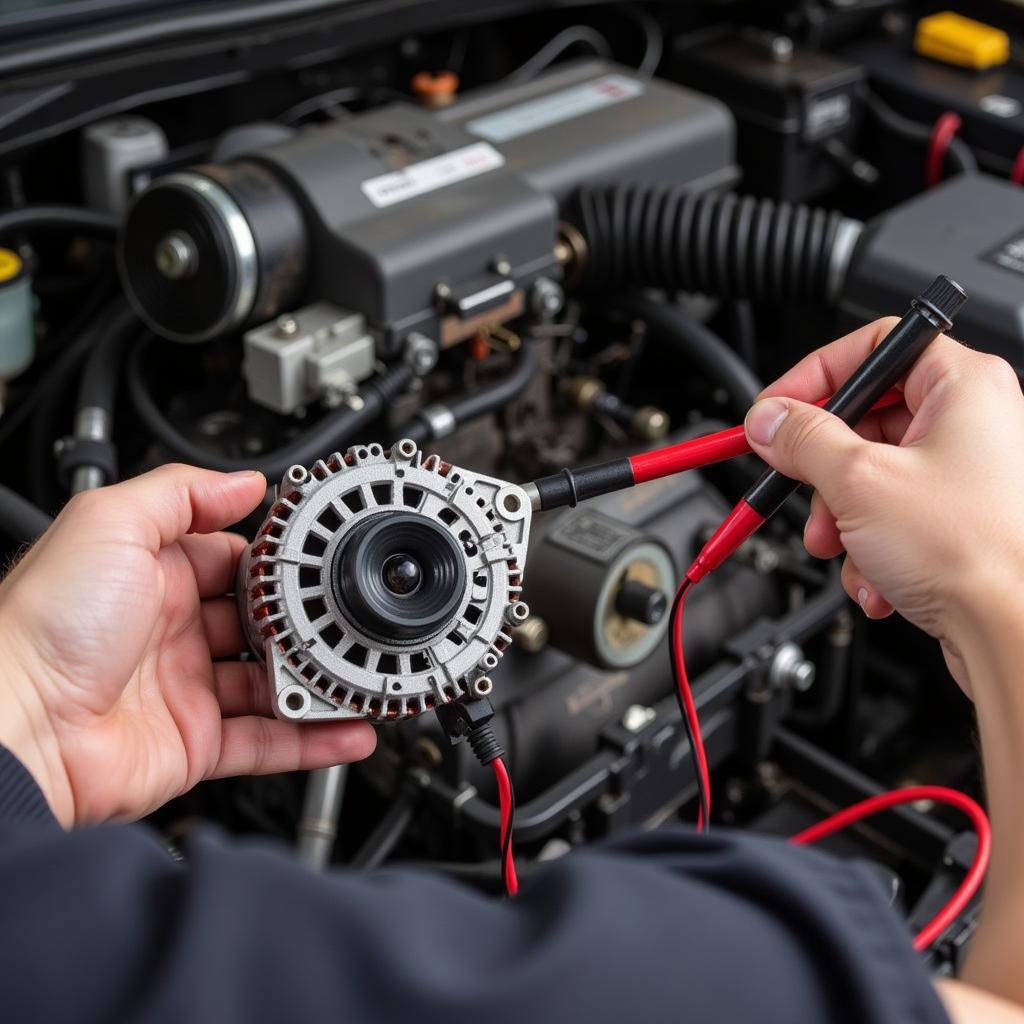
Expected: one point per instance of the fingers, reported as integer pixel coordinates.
(871, 602)
(262, 746)
(807, 443)
(821, 534)
(241, 688)
(214, 558)
(160, 507)
(222, 627)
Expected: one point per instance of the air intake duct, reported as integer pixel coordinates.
(722, 244)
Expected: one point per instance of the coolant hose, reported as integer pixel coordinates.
(731, 246)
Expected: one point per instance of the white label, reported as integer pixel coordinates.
(438, 171)
(555, 108)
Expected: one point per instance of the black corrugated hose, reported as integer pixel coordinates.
(731, 246)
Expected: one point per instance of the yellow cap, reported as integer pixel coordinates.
(954, 39)
(10, 265)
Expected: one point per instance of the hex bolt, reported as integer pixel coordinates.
(420, 353)
(532, 635)
(546, 298)
(789, 668)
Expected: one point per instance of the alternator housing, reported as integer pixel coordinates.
(321, 663)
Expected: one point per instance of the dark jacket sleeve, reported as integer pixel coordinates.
(101, 924)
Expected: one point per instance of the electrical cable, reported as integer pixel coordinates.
(912, 794)
(960, 154)
(441, 418)
(332, 433)
(943, 132)
(688, 709)
(507, 806)
(574, 35)
(28, 218)
(571, 486)
(1017, 173)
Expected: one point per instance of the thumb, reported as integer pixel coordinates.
(803, 442)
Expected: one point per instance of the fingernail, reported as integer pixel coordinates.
(241, 474)
(862, 599)
(764, 419)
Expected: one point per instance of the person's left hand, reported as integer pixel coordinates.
(119, 680)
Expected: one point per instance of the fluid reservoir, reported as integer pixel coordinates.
(17, 339)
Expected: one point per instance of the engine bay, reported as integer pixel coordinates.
(410, 259)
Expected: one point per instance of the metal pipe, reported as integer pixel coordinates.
(318, 826)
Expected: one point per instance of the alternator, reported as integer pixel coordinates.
(383, 584)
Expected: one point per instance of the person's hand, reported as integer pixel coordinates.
(115, 630)
(926, 499)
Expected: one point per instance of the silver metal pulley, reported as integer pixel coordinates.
(384, 583)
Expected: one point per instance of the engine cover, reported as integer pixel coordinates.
(382, 582)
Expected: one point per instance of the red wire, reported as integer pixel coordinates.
(938, 794)
(711, 448)
(865, 808)
(1017, 174)
(686, 696)
(506, 804)
(943, 132)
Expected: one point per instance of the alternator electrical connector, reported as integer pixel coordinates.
(384, 583)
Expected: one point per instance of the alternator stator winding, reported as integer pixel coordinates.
(383, 584)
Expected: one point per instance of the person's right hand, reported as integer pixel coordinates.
(926, 499)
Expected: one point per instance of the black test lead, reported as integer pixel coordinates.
(930, 314)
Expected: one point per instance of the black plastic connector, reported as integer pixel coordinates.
(470, 720)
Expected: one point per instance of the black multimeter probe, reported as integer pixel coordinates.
(929, 315)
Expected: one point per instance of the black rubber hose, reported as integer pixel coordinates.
(735, 247)
(73, 343)
(381, 842)
(51, 395)
(27, 218)
(473, 404)
(701, 347)
(19, 518)
(334, 432)
(102, 371)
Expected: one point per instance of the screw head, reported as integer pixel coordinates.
(176, 256)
